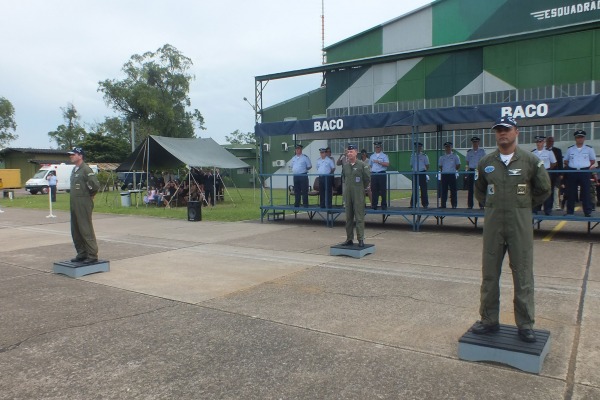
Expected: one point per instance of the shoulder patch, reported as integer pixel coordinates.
(489, 169)
(540, 164)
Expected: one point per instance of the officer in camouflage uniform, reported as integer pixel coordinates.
(356, 177)
(84, 186)
(510, 183)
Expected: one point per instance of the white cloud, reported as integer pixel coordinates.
(56, 52)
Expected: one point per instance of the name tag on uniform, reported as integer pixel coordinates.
(521, 188)
(491, 189)
(357, 179)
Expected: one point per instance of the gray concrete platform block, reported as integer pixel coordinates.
(77, 269)
(351, 251)
(506, 347)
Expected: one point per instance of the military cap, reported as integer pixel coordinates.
(579, 133)
(352, 146)
(540, 138)
(448, 144)
(507, 122)
(475, 139)
(76, 150)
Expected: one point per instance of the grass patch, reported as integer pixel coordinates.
(239, 204)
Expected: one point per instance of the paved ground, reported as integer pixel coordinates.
(205, 310)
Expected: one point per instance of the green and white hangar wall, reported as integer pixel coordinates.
(451, 53)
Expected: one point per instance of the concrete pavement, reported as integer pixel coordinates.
(207, 310)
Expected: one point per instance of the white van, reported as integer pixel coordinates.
(39, 183)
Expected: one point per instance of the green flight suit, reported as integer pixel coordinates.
(356, 179)
(509, 193)
(84, 185)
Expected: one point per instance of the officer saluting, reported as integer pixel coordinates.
(510, 182)
(300, 167)
(579, 157)
(84, 186)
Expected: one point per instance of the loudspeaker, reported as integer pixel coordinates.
(194, 211)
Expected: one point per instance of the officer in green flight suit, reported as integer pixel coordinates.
(356, 177)
(84, 186)
(510, 182)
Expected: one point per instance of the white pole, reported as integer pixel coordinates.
(50, 203)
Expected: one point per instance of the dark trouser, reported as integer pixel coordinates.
(379, 188)
(548, 203)
(470, 188)
(449, 181)
(420, 180)
(82, 229)
(575, 179)
(325, 184)
(301, 190)
(210, 195)
(53, 193)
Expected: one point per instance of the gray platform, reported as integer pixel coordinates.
(77, 269)
(351, 251)
(506, 347)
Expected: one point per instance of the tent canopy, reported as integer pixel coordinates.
(528, 113)
(167, 153)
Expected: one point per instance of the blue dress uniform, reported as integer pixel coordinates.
(473, 158)
(549, 159)
(378, 162)
(300, 166)
(449, 165)
(419, 162)
(325, 167)
(579, 160)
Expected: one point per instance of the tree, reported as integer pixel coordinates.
(7, 122)
(154, 94)
(69, 135)
(113, 127)
(238, 137)
(100, 148)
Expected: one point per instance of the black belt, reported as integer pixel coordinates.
(580, 169)
(472, 169)
(380, 172)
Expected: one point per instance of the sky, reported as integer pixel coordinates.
(55, 53)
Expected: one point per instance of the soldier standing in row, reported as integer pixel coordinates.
(474, 155)
(549, 160)
(579, 159)
(356, 177)
(300, 166)
(379, 163)
(84, 186)
(510, 182)
(449, 164)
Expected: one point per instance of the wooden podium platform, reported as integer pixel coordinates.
(506, 347)
(351, 251)
(77, 269)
